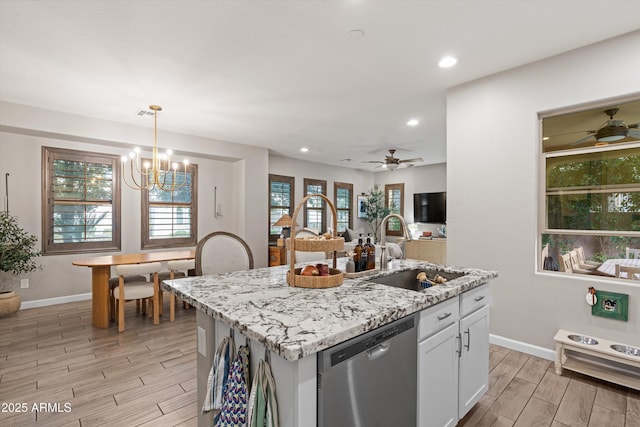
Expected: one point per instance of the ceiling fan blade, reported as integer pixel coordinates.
(634, 126)
(634, 133)
(585, 139)
(373, 161)
(416, 160)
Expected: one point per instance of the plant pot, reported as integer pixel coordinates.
(9, 303)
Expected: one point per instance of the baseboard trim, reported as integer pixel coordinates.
(522, 347)
(52, 301)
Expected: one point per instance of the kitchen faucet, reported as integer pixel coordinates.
(383, 231)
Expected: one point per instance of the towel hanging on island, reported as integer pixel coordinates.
(263, 406)
(219, 375)
(234, 402)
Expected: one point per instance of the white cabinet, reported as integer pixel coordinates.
(438, 379)
(453, 358)
(474, 359)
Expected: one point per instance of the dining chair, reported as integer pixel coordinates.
(222, 252)
(633, 253)
(565, 263)
(137, 290)
(178, 269)
(631, 273)
(113, 283)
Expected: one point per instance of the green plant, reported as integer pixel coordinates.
(375, 210)
(17, 247)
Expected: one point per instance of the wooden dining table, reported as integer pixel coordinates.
(101, 271)
(608, 268)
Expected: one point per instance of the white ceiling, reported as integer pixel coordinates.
(284, 74)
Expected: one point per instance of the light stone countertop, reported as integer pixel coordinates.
(298, 322)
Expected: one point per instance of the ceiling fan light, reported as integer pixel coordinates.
(611, 133)
(392, 166)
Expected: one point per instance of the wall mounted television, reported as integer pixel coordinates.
(430, 207)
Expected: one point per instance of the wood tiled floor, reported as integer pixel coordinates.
(147, 376)
(144, 376)
(524, 391)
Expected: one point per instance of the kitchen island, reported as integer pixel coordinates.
(294, 324)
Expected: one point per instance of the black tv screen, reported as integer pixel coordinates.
(430, 207)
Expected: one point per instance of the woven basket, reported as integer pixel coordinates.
(334, 244)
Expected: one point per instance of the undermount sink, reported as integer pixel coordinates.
(626, 349)
(407, 279)
(583, 340)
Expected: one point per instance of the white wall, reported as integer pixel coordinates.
(492, 176)
(24, 130)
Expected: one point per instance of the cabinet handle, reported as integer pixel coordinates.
(444, 316)
(468, 344)
(459, 346)
(480, 298)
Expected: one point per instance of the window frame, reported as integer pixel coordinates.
(323, 209)
(344, 186)
(176, 242)
(285, 179)
(387, 202)
(48, 156)
(545, 233)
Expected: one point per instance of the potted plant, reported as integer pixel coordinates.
(375, 210)
(17, 256)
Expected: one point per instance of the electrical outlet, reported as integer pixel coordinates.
(24, 283)
(202, 341)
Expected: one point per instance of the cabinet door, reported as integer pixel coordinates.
(474, 360)
(438, 379)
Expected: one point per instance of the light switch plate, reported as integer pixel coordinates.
(202, 341)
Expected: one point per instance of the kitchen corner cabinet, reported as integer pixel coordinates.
(453, 358)
(432, 250)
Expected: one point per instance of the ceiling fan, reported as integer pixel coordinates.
(612, 130)
(391, 162)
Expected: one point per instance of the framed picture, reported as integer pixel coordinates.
(361, 210)
(611, 305)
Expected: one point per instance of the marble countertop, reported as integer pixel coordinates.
(298, 322)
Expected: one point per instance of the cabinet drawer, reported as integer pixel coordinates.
(474, 299)
(438, 317)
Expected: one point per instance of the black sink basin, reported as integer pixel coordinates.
(407, 279)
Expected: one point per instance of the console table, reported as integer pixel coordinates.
(432, 250)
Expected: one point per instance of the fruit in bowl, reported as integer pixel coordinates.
(310, 270)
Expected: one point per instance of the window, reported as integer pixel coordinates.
(394, 200)
(315, 210)
(281, 191)
(170, 218)
(343, 201)
(80, 201)
(590, 202)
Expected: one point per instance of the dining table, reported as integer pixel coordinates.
(101, 271)
(608, 267)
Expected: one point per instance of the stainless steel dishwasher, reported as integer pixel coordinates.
(370, 380)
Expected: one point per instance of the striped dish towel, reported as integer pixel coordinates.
(219, 374)
(263, 406)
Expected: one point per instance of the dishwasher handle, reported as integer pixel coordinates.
(378, 351)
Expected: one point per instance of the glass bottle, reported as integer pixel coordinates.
(357, 258)
(371, 254)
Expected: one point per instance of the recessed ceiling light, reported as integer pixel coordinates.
(447, 61)
(413, 122)
(545, 138)
(304, 149)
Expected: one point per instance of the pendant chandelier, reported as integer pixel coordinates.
(159, 173)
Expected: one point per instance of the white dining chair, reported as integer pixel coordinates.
(137, 290)
(222, 252)
(177, 270)
(633, 253)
